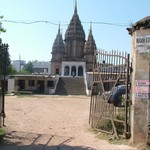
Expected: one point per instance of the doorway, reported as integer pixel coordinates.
(40, 86)
(80, 71)
(21, 84)
(73, 71)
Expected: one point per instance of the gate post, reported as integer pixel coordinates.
(0, 107)
(140, 81)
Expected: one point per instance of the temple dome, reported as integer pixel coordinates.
(58, 44)
(90, 45)
(75, 29)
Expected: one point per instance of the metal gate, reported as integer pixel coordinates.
(3, 67)
(0, 106)
(110, 70)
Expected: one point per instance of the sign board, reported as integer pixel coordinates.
(142, 88)
(143, 43)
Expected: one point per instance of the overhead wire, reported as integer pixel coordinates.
(53, 22)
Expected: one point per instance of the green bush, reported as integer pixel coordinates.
(2, 133)
(119, 125)
(105, 125)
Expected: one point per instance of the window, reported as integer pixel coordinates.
(80, 71)
(57, 70)
(66, 71)
(50, 84)
(31, 83)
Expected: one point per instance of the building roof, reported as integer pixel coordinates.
(143, 23)
(32, 75)
(41, 64)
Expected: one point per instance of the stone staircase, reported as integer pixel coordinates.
(70, 86)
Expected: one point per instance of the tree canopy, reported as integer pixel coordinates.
(1, 28)
(5, 62)
(27, 68)
(4, 58)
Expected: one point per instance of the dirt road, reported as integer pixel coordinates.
(51, 122)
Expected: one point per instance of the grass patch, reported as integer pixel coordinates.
(147, 147)
(29, 95)
(113, 140)
(2, 133)
(110, 138)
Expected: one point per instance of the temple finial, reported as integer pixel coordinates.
(59, 27)
(90, 26)
(75, 6)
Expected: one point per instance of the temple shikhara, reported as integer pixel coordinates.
(73, 55)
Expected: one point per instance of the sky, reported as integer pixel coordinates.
(34, 41)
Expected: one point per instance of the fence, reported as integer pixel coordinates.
(109, 70)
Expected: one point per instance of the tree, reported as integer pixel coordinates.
(28, 68)
(11, 70)
(1, 28)
(4, 54)
(3, 47)
(4, 58)
(5, 62)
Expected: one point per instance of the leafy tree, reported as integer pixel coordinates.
(28, 68)
(4, 58)
(1, 28)
(5, 66)
(11, 70)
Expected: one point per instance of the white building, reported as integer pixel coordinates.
(41, 67)
(18, 64)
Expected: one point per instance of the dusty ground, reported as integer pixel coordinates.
(51, 122)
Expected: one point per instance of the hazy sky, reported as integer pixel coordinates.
(34, 41)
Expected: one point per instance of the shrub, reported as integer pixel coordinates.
(2, 133)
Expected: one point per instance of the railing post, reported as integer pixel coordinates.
(127, 107)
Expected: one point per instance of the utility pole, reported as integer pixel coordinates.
(19, 63)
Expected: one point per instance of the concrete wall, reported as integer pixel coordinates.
(71, 64)
(18, 64)
(140, 110)
(55, 65)
(11, 85)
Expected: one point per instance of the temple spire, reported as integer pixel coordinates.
(58, 42)
(59, 28)
(75, 7)
(90, 44)
(90, 27)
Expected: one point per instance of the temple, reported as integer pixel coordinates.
(73, 55)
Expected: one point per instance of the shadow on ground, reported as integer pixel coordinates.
(31, 141)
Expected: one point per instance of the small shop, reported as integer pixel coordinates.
(36, 84)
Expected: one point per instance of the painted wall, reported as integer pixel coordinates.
(140, 110)
(11, 85)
